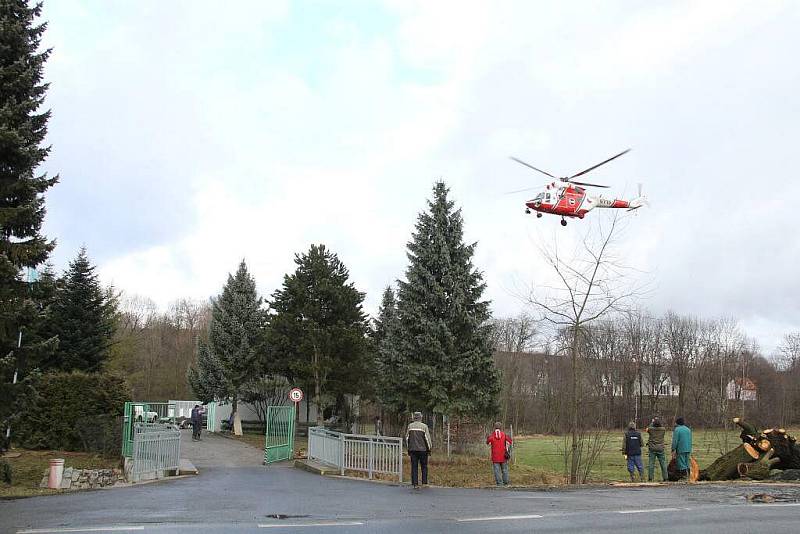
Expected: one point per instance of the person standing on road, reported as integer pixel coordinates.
(197, 420)
(632, 448)
(378, 426)
(682, 447)
(655, 449)
(499, 442)
(418, 441)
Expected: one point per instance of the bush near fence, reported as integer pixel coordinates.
(74, 412)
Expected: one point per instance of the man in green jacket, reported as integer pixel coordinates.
(655, 446)
(681, 447)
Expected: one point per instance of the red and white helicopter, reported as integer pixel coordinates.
(568, 198)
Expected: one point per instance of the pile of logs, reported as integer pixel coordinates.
(768, 454)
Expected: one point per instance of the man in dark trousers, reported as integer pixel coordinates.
(418, 440)
(632, 448)
(682, 447)
(499, 442)
(655, 449)
(197, 421)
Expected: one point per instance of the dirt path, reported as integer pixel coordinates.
(217, 451)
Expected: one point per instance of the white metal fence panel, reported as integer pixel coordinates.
(357, 452)
(325, 446)
(156, 448)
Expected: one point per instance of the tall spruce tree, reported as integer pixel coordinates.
(390, 379)
(234, 354)
(83, 316)
(318, 329)
(22, 131)
(443, 337)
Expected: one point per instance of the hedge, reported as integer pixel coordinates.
(74, 412)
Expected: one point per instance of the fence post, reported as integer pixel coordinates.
(371, 456)
(342, 443)
(400, 461)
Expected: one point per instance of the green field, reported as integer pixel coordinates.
(545, 453)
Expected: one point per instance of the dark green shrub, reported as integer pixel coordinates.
(5, 471)
(75, 412)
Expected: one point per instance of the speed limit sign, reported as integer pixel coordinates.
(296, 395)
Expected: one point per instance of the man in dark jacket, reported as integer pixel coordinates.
(655, 449)
(632, 448)
(418, 440)
(197, 421)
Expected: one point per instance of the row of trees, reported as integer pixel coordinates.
(634, 366)
(53, 330)
(312, 332)
(429, 348)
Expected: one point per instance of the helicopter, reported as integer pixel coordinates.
(568, 198)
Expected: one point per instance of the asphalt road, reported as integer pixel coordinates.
(279, 498)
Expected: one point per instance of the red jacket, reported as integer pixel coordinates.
(498, 440)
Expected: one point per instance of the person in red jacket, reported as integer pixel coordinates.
(500, 444)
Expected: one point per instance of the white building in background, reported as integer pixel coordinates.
(741, 389)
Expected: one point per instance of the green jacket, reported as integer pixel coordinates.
(655, 440)
(682, 439)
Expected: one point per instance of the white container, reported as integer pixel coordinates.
(56, 473)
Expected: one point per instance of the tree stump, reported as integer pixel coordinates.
(726, 467)
(759, 470)
(785, 449)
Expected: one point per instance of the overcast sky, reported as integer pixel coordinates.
(189, 136)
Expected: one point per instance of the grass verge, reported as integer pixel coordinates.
(28, 469)
(546, 452)
(467, 471)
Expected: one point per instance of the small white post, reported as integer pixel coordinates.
(513, 456)
(448, 437)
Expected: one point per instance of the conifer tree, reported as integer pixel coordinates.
(389, 372)
(443, 341)
(83, 316)
(318, 329)
(234, 353)
(22, 131)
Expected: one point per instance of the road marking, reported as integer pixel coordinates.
(648, 511)
(499, 518)
(77, 529)
(326, 524)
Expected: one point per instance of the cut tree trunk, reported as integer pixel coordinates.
(785, 449)
(726, 466)
(759, 470)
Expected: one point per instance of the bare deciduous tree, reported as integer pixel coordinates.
(591, 283)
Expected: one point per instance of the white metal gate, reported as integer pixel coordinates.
(156, 448)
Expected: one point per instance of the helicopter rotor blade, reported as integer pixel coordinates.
(587, 184)
(538, 188)
(599, 164)
(532, 167)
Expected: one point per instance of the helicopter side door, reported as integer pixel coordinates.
(572, 200)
